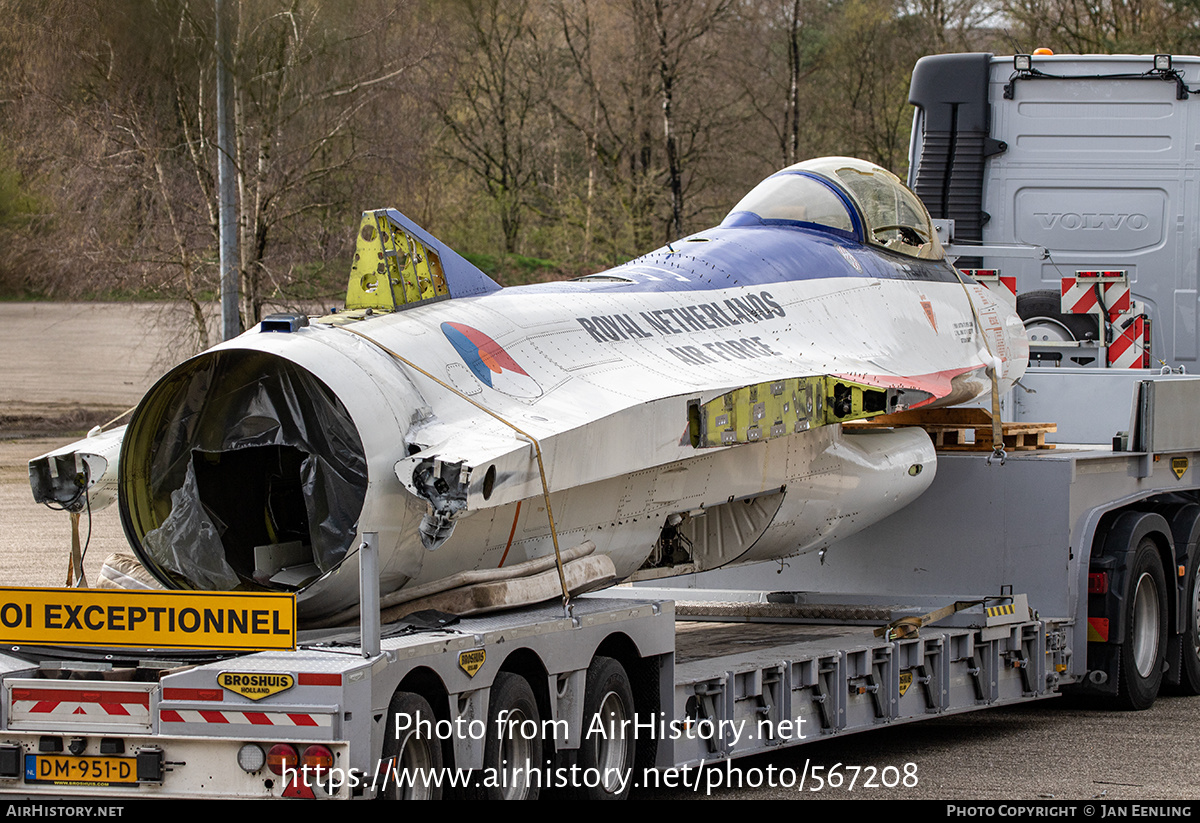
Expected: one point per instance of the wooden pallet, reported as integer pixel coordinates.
(964, 429)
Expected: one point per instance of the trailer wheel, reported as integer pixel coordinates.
(1189, 641)
(413, 754)
(1041, 312)
(513, 745)
(1144, 652)
(607, 748)
(1183, 649)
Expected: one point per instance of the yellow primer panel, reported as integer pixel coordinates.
(777, 408)
(373, 275)
(154, 619)
(391, 268)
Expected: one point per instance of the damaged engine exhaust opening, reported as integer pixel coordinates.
(241, 470)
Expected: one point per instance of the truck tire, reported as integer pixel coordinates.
(1183, 649)
(1189, 640)
(513, 745)
(1144, 652)
(1041, 312)
(607, 744)
(415, 753)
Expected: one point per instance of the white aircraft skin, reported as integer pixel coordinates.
(444, 396)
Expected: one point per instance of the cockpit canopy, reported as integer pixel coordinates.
(847, 197)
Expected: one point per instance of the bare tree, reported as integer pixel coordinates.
(784, 46)
(685, 31)
(122, 92)
(303, 75)
(491, 114)
(609, 101)
(1104, 26)
(587, 129)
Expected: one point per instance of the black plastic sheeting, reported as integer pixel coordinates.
(250, 449)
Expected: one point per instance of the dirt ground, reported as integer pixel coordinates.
(35, 542)
(69, 366)
(66, 367)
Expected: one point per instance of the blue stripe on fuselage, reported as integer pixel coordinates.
(723, 258)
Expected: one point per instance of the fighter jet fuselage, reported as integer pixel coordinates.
(682, 411)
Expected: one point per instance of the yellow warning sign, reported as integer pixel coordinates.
(1179, 465)
(472, 661)
(256, 685)
(153, 619)
(906, 679)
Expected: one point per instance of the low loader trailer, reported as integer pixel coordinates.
(1072, 567)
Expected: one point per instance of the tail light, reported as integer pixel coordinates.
(317, 758)
(282, 756)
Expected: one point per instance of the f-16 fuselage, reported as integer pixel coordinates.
(686, 407)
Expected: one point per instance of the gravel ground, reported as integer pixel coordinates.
(68, 366)
(65, 367)
(1051, 750)
(63, 361)
(35, 542)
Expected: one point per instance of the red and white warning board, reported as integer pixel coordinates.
(68, 704)
(248, 718)
(1130, 348)
(994, 281)
(1096, 292)
(1108, 293)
